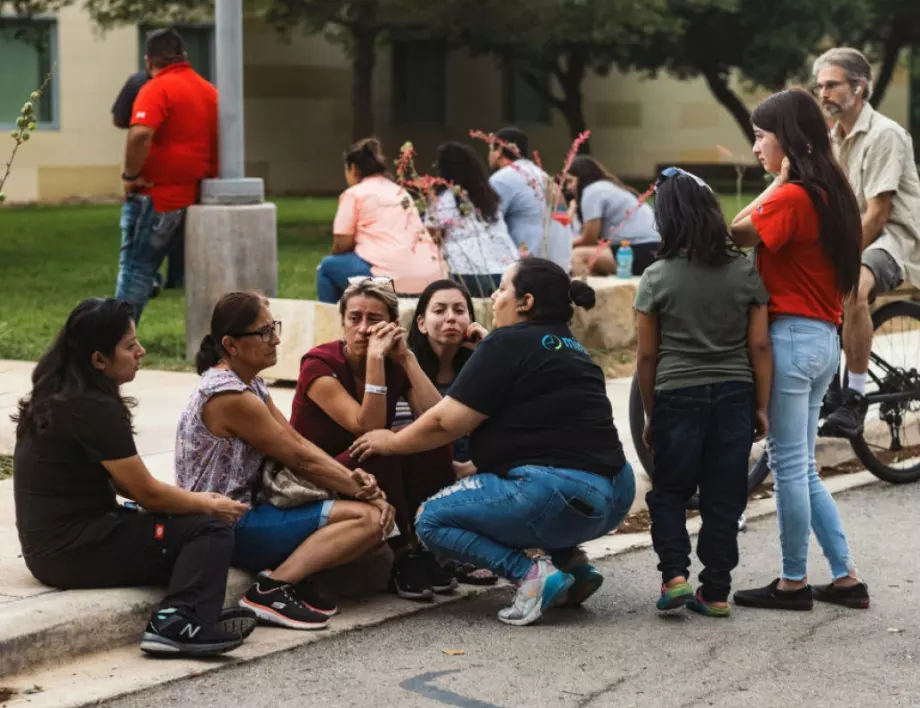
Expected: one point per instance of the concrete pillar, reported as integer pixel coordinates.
(231, 238)
(227, 248)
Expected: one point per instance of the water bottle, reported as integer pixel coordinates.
(624, 260)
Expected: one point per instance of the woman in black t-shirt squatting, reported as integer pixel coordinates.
(551, 470)
(74, 448)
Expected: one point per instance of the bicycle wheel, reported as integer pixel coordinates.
(890, 444)
(759, 465)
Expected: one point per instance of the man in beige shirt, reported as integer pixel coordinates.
(878, 156)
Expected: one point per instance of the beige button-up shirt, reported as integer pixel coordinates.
(878, 157)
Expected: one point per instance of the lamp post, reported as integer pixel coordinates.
(231, 236)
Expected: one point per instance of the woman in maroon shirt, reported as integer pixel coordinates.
(351, 386)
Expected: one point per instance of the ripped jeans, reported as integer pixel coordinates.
(489, 521)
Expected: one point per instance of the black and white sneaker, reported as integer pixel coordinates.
(277, 603)
(315, 599)
(442, 580)
(238, 620)
(409, 579)
(174, 631)
(847, 420)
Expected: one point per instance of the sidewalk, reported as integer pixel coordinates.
(40, 625)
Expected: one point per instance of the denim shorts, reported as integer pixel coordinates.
(885, 268)
(267, 535)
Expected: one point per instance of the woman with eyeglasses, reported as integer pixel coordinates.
(608, 210)
(350, 386)
(551, 472)
(377, 231)
(74, 449)
(704, 369)
(807, 230)
(227, 430)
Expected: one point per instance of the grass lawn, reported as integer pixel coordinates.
(53, 257)
(6, 466)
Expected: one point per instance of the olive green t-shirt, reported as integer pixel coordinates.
(702, 319)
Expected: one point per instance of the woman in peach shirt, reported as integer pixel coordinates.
(377, 231)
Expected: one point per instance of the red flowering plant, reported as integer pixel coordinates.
(425, 190)
(548, 189)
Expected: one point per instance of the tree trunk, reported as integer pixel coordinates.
(572, 109)
(571, 103)
(890, 55)
(362, 90)
(718, 85)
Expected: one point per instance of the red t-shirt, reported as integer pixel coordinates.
(181, 108)
(799, 277)
(311, 421)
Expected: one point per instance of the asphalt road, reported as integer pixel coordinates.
(618, 651)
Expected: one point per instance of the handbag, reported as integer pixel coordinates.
(283, 489)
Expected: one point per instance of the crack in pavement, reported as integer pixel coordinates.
(613, 686)
(812, 631)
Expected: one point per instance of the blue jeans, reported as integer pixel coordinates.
(701, 437)
(333, 274)
(488, 521)
(146, 237)
(805, 357)
(265, 535)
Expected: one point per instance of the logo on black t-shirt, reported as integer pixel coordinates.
(554, 343)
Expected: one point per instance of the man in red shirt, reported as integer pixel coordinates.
(171, 147)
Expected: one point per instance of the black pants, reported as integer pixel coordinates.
(190, 555)
(478, 285)
(701, 437)
(644, 254)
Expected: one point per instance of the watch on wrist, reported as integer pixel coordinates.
(128, 178)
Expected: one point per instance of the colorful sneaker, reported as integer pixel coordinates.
(278, 604)
(441, 579)
(699, 605)
(537, 595)
(177, 632)
(588, 581)
(314, 599)
(674, 597)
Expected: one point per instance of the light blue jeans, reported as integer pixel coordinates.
(489, 521)
(805, 356)
(333, 273)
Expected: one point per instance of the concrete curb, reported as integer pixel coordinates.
(123, 671)
(61, 625)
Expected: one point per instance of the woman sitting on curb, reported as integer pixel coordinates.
(377, 230)
(228, 427)
(348, 387)
(74, 448)
(552, 473)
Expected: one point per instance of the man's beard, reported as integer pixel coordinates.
(835, 110)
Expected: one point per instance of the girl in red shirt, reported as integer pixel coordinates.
(806, 227)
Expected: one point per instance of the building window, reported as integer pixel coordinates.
(522, 103)
(27, 53)
(199, 45)
(419, 83)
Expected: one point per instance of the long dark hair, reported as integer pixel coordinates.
(690, 221)
(233, 314)
(588, 171)
(419, 343)
(798, 123)
(459, 163)
(554, 293)
(367, 156)
(65, 371)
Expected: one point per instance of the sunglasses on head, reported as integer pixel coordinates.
(379, 280)
(668, 172)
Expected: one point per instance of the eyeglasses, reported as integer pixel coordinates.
(267, 333)
(827, 86)
(379, 280)
(673, 172)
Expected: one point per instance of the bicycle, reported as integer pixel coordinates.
(893, 394)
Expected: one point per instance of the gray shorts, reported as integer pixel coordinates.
(888, 274)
